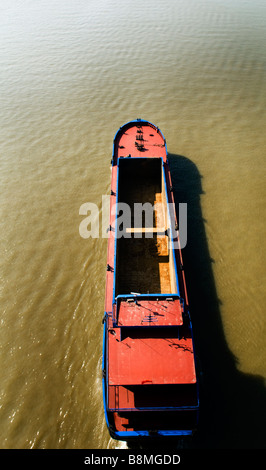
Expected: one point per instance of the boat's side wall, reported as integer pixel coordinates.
(164, 201)
(115, 245)
(104, 372)
(167, 225)
(170, 219)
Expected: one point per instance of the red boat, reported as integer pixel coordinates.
(150, 386)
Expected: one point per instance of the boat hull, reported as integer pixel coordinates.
(149, 379)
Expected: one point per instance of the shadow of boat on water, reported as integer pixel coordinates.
(232, 403)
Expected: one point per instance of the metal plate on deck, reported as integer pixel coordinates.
(135, 312)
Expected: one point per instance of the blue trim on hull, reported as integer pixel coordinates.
(125, 435)
(104, 385)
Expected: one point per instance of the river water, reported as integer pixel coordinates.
(71, 73)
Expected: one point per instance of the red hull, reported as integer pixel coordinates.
(149, 376)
